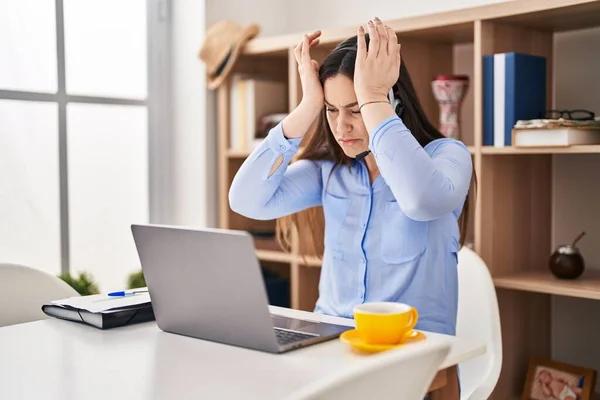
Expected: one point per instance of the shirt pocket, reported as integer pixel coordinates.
(336, 211)
(402, 239)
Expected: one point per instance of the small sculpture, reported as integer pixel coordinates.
(567, 262)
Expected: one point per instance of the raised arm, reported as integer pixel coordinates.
(426, 184)
(266, 186)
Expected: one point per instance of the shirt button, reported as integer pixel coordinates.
(282, 147)
(362, 261)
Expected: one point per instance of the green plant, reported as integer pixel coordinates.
(84, 284)
(136, 280)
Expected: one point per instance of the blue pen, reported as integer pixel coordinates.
(123, 293)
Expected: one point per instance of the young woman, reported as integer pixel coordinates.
(391, 185)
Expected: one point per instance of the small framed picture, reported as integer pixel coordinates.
(553, 380)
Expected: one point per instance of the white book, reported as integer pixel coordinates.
(499, 99)
(549, 137)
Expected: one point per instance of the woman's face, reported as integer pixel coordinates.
(343, 115)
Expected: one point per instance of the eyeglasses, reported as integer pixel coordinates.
(577, 115)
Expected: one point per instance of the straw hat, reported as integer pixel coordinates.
(221, 48)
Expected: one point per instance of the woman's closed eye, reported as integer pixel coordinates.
(334, 110)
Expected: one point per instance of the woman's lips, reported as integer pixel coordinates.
(348, 141)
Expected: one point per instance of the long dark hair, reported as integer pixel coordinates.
(321, 145)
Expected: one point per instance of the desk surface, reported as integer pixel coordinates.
(54, 359)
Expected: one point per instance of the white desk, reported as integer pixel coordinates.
(54, 359)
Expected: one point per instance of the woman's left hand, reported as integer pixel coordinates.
(377, 67)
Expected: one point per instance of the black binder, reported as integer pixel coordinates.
(104, 319)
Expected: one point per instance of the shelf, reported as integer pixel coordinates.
(583, 149)
(283, 257)
(587, 286)
(457, 25)
(310, 261)
(273, 255)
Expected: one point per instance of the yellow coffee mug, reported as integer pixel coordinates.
(384, 322)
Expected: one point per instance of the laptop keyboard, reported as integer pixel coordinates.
(286, 337)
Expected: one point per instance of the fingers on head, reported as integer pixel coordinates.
(373, 39)
(381, 31)
(305, 45)
(306, 60)
(392, 40)
(298, 51)
(360, 43)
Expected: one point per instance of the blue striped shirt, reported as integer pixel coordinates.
(393, 240)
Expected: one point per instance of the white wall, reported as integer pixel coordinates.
(271, 15)
(189, 196)
(316, 14)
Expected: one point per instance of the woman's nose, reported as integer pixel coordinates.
(343, 125)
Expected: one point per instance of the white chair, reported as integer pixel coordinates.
(23, 291)
(403, 373)
(478, 320)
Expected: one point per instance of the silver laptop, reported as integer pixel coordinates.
(207, 284)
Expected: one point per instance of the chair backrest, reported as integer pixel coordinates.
(23, 291)
(478, 319)
(403, 373)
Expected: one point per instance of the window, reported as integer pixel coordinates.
(76, 132)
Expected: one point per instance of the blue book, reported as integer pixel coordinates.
(514, 88)
(488, 100)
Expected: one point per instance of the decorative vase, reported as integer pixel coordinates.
(566, 262)
(449, 91)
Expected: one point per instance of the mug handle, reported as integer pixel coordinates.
(414, 317)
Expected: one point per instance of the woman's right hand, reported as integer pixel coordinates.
(297, 123)
(312, 92)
